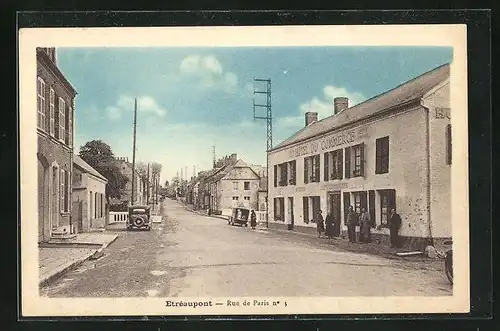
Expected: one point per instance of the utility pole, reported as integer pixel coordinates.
(133, 153)
(269, 129)
(213, 155)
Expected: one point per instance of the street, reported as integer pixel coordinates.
(190, 255)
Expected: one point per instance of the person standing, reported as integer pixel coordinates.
(365, 226)
(352, 221)
(253, 220)
(394, 226)
(329, 225)
(320, 224)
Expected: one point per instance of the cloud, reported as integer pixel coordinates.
(145, 104)
(208, 71)
(323, 106)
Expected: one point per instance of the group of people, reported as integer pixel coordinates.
(364, 222)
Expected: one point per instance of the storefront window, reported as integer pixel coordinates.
(387, 201)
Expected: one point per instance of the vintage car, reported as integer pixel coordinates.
(239, 216)
(139, 217)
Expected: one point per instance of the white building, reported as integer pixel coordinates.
(89, 196)
(393, 150)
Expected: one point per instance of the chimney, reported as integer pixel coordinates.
(311, 117)
(340, 104)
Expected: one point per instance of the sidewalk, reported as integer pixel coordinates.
(56, 258)
(416, 261)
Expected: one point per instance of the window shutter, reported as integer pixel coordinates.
(285, 174)
(56, 116)
(306, 172)
(317, 168)
(305, 207)
(347, 203)
(347, 162)
(340, 164)
(378, 156)
(275, 175)
(371, 205)
(62, 191)
(448, 144)
(327, 172)
(362, 166)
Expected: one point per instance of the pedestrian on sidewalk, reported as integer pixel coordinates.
(394, 226)
(253, 219)
(365, 226)
(320, 224)
(352, 221)
(329, 225)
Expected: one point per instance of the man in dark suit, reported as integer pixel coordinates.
(394, 226)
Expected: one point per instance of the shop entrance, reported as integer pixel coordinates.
(290, 213)
(334, 208)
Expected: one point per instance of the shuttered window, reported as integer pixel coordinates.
(448, 144)
(382, 155)
(40, 104)
(62, 119)
(52, 109)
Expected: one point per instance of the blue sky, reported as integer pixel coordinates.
(192, 98)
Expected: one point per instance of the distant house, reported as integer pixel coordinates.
(89, 196)
(125, 168)
(262, 194)
(234, 184)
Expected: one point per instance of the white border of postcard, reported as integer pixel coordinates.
(365, 35)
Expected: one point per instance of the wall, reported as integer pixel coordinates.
(225, 189)
(438, 103)
(54, 153)
(407, 170)
(81, 193)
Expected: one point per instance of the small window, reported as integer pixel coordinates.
(235, 186)
(40, 105)
(247, 198)
(247, 186)
(235, 198)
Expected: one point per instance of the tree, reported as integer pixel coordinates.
(100, 157)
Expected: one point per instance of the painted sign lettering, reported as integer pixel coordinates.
(325, 144)
(442, 113)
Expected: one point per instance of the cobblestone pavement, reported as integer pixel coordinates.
(190, 255)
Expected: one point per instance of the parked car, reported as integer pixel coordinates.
(239, 216)
(139, 217)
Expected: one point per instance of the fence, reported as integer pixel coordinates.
(261, 216)
(118, 217)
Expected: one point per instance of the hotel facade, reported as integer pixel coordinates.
(391, 151)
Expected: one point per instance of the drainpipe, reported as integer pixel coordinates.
(428, 161)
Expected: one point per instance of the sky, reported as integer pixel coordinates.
(190, 99)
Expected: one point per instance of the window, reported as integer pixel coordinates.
(448, 144)
(359, 201)
(68, 191)
(96, 207)
(275, 176)
(235, 198)
(382, 155)
(40, 103)
(333, 165)
(354, 161)
(247, 198)
(246, 186)
(305, 208)
(235, 186)
(387, 201)
(52, 101)
(311, 169)
(62, 119)
(283, 174)
(279, 209)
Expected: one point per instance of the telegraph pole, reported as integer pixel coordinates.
(213, 155)
(147, 188)
(133, 153)
(269, 129)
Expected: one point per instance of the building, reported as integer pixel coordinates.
(55, 113)
(89, 196)
(126, 195)
(262, 194)
(233, 184)
(391, 151)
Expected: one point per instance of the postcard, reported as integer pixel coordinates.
(244, 170)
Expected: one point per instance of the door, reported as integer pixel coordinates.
(334, 204)
(290, 212)
(77, 213)
(41, 200)
(347, 204)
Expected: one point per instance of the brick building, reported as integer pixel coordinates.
(55, 113)
(391, 151)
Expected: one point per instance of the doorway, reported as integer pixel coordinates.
(334, 206)
(290, 213)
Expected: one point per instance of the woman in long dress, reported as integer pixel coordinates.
(320, 224)
(366, 224)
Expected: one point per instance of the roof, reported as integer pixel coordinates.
(411, 90)
(220, 173)
(80, 163)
